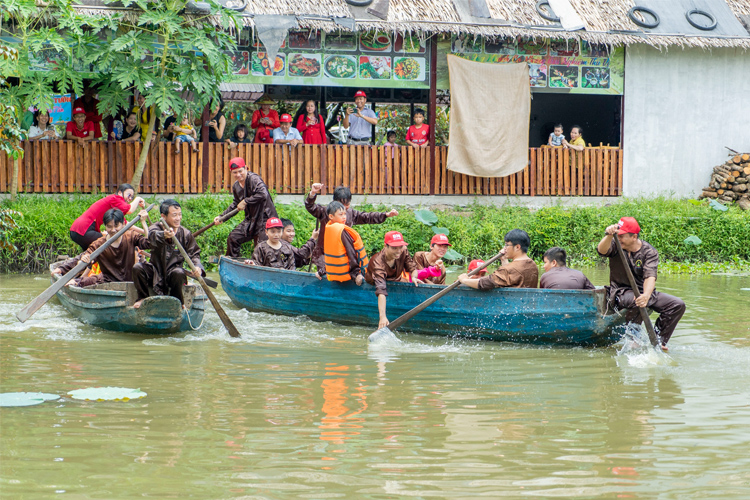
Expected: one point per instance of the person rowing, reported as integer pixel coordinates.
(518, 270)
(85, 229)
(643, 261)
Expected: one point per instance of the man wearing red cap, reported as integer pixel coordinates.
(286, 134)
(90, 104)
(275, 251)
(439, 244)
(79, 129)
(250, 195)
(643, 260)
(389, 265)
(359, 125)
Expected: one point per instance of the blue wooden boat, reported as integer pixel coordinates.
(110, 306)
(566, 317)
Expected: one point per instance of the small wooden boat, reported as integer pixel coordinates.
(567, 317)
(110, 306)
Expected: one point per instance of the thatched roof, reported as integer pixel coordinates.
(606, 21)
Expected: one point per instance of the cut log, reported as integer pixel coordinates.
(737, 160)
(723, 185)
(730, 195)
(744, 204)
(730, 179)
(745, 157)
(709, 189)
(735, 173)
(746, 170)
(709, 194)
(741, 180)
(719, 192)
(739, 188)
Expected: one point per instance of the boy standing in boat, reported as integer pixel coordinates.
(165, 272)
(302, 254)
(517, 269)
(390, 264)
(353, 217)
(643, 260)
(250, 195)
(345, 256)
(558, 275)
(275, 251)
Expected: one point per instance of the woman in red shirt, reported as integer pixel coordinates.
(418, 134)
(311, 125)
(264, 118)
(85, 229)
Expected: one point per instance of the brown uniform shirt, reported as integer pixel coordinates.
(258, 204)
(302, 254)
(643, 264)
(517, 274)
(283, 258)
(165, 255)
(565, 278)
(420, 259)
(117, 263)
(378, 272)
(353, 218)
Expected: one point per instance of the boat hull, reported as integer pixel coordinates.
(110, 306)
(566, 317)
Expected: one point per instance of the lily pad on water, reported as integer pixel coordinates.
(452, 255)
(693, 240)
(25, 398)
(440, 230)
(107, 394)
(426, 217)
(718, 206)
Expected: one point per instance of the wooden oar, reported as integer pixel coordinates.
(317, 226)
(50, 292)
(233, 332)
(644, 313)
(387, 330)
(223, 219)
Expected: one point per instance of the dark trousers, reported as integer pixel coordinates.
(239, 235)
(85, 240)
(669, 307)
(143, 277)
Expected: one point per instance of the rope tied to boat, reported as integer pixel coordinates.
(203, 318)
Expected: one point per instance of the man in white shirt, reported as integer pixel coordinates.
(286, 134)
(359, 121)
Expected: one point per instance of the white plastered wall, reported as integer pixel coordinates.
(681, 108)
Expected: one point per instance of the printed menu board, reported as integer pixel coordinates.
(555, 65)
(371, 59)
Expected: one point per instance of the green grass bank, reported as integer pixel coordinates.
(476, 231)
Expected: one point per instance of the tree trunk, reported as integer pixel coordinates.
(14, 180)
(136, 181)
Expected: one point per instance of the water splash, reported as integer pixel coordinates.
(635, 349)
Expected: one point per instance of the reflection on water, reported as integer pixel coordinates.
(298, 409)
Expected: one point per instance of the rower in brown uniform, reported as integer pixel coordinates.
(392, 263)
(353, 218)
(302, 254)
(643, 260)
(250, 195)
(517, 269)
(558, 275)
(165, 272)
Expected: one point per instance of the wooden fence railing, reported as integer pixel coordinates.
(65, 167)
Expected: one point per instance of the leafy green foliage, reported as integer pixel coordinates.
(7, 224)
(426, 216)
(693, 240)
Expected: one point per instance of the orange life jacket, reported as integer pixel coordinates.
(337, 263)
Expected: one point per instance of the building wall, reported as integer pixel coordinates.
(681, 108)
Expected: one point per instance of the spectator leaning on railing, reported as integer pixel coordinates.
(286, 134)
(79, 129)
(576, 141)
(42, 129)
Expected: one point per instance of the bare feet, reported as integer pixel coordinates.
(177, 150)
(138, 304)
(195, 149)
(664, 348)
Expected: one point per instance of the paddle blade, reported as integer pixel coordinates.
(383, 336)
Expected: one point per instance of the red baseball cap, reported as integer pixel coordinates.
(395, 239)
(360, 93)
(440, 239)
(79, 111)
(273, 222)
(236, 163)
(285, 118)
(475, 264)
(628, 225)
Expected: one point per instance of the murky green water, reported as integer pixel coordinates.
(304, 410)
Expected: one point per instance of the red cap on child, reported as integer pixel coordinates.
(628, 225)
(285, 118)
(273, 222)
(440, 239)
(475, 264)
(395, 239)
(236, 163)
(79, 111)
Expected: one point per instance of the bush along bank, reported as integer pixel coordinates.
(690, 237)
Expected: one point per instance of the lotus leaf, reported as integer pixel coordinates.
(107, 394)
(426, 216)
(25, 398)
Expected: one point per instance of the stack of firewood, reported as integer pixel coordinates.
(730, 182)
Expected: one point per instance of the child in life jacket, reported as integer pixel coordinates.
(345, 256)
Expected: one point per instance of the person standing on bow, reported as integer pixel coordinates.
(85, 229)
(250, 195)
(359, 121)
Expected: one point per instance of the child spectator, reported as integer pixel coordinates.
(439, 244)
(345, 256)
(239, 136)
(517, 269)
(286, 134)
(185, 133)
(302, 254)
(42, 129)
(131, 132)
(556, 138)
(311, 125)
(390, 138)
(79, 129)
(273, 252)
(577, 141)
(418, 134)
(475, 264)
